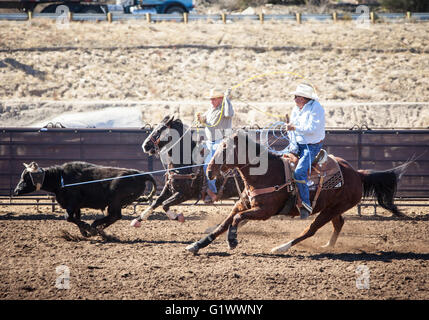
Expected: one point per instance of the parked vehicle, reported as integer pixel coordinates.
(94, 6)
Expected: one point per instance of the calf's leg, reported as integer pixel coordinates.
(73, 215)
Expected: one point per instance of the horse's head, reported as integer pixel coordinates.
(31, 179)
(157, 139)
(232, 152)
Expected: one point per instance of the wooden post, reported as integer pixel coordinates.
(223, 17)
(372, 16)
(148, 18)
(70, 16)
(408, 15)
(261, 17)
(185, 17)
(334, 16)
(30, 15)
(298, 17)
(109, 17)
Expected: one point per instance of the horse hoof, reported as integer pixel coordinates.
(181, 217)
(232, 244)
(282, 248)
(193, 248)
(135, 223)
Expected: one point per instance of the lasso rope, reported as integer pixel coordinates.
(127, 176)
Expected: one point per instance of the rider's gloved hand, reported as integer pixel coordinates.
(227, 92)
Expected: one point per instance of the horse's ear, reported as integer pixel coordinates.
(166, 119)
(169, 120)
(34, 166)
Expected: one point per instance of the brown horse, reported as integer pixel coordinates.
(330, 203)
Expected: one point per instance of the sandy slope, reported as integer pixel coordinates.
(128, 62)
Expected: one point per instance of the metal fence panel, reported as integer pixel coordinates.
(363, 149)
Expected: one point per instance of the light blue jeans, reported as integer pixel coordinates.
(307, 153)
(212, 146)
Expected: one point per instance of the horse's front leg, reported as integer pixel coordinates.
(165, 194)
(204, 242)
(256, 213)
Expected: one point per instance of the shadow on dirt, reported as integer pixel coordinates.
(42, 216)
(383, 256)
(108, 238)
(423, 217)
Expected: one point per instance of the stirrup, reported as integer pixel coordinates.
(307, 207)
(209, 200)
(305, 211)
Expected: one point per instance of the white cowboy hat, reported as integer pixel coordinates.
(306, 91)
(216, 93)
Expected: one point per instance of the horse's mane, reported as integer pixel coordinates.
(175, 122)
(262, 148)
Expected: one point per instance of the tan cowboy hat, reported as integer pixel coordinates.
(306, 91)
(215, 93)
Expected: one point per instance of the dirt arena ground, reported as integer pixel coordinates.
(376, 257)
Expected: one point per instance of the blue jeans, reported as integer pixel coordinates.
(307, 153)
(212, 146)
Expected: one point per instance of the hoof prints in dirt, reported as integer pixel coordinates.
(74, 238)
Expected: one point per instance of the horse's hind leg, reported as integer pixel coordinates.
(319, 222)
(338, 222)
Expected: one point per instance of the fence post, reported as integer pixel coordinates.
(30, 15)
(372, 16)
(185, 17)
(261, 17)
(148, 17)
(109, 17)
(334, 16)
(223, 17)
(408, 15)
(298, 17)
(70, 16)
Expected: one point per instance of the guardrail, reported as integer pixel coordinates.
(221, 18)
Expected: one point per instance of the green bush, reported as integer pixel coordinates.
(406, 5)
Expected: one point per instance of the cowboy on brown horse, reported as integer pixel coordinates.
(308, 121)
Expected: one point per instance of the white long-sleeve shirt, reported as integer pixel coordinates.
(309, 122)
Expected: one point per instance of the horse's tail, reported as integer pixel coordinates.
(149, 197)
(382, 185)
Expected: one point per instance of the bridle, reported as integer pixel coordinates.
(155, 143)
(37, 178)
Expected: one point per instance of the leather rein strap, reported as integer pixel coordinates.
(289, 183)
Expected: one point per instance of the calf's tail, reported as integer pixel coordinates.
(382, 185)
(152, 192)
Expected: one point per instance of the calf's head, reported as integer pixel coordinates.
(31, 179)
